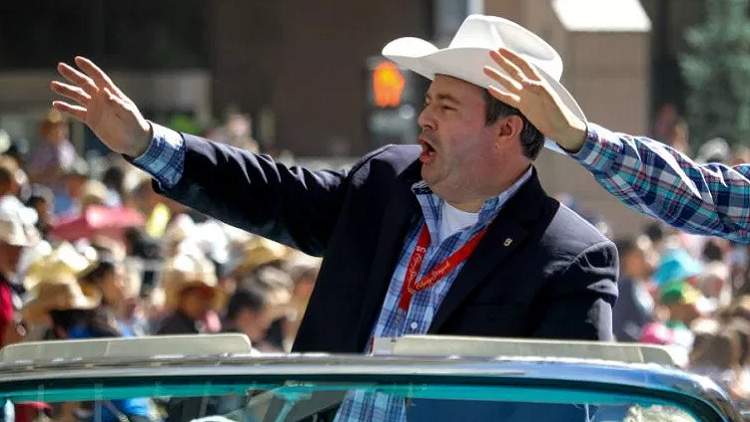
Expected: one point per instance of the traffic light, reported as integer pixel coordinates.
(393, 103)
(387, 85)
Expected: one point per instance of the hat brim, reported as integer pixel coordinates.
(467, 64)
(173, 293)
(40, 306)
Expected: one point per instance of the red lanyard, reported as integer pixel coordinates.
(412, 285)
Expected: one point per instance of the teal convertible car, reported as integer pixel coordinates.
(221, 378)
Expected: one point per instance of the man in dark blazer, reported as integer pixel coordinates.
(452, 236)
(538, 271)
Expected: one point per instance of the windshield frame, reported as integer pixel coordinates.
(652, 383)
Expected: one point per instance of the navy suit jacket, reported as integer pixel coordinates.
(555, 278)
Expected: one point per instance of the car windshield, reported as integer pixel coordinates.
(211, 399)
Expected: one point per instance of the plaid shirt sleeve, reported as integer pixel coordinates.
(164, 159)
(652, 178)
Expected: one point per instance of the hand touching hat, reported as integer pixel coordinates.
(523, 86)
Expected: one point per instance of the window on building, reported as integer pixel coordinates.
(163, 34)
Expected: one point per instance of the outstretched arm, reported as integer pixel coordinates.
(648, 176)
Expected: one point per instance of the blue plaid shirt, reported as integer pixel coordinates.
(652, 178)
(164, 160)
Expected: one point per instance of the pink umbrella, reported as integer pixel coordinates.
(96, 220)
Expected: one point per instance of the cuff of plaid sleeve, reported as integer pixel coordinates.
(164, 159)
(600, 150)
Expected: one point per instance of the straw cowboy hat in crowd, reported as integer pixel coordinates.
(468, 54)
(59, 292)
(64, 259)
(251, 254)
(186, 271)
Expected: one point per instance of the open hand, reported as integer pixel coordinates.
(100, 104)
(527, 91)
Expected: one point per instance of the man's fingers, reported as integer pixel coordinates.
(511, 69)
(75, 93)
(520, 63)
(98, 75)
(509, 99)
(77, 78)
(76, 111)
(504, 80)
(114, 99)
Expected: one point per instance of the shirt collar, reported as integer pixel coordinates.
(432, 205)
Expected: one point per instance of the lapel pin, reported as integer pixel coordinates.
(507, 242)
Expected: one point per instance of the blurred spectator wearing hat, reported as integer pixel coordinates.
(189, 290)
(74, 177)
(54, 154)
(677, 265)
(17, 232)
(190, 293)
(685, 304)
(635, 305)
(75, 311)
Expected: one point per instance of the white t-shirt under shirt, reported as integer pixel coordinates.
(453, 220)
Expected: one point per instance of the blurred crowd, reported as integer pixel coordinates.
(88, 249)
(689, 292)
(92, 250)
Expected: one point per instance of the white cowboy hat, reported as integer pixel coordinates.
(468, 54)
(17, 223)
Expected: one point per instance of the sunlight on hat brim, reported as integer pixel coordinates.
(467, 64)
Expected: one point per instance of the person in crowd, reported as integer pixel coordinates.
(107, 276)
(74, 311)
(17, 232)
(276, 286)
(635, 306)
(188, 284)
(685, 305)
(12, 177)
(249, 312)
(41, 199)
(17, 235)
(68, 200)
(114, 179)
(54, 155)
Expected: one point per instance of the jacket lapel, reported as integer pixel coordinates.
(401, 207)
(504, 235)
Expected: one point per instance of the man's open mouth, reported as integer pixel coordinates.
(428, 150)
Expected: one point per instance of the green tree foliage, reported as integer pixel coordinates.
(717, 73)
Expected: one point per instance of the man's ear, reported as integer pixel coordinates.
(509, 128)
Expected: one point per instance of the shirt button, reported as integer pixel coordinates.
(414, 325)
